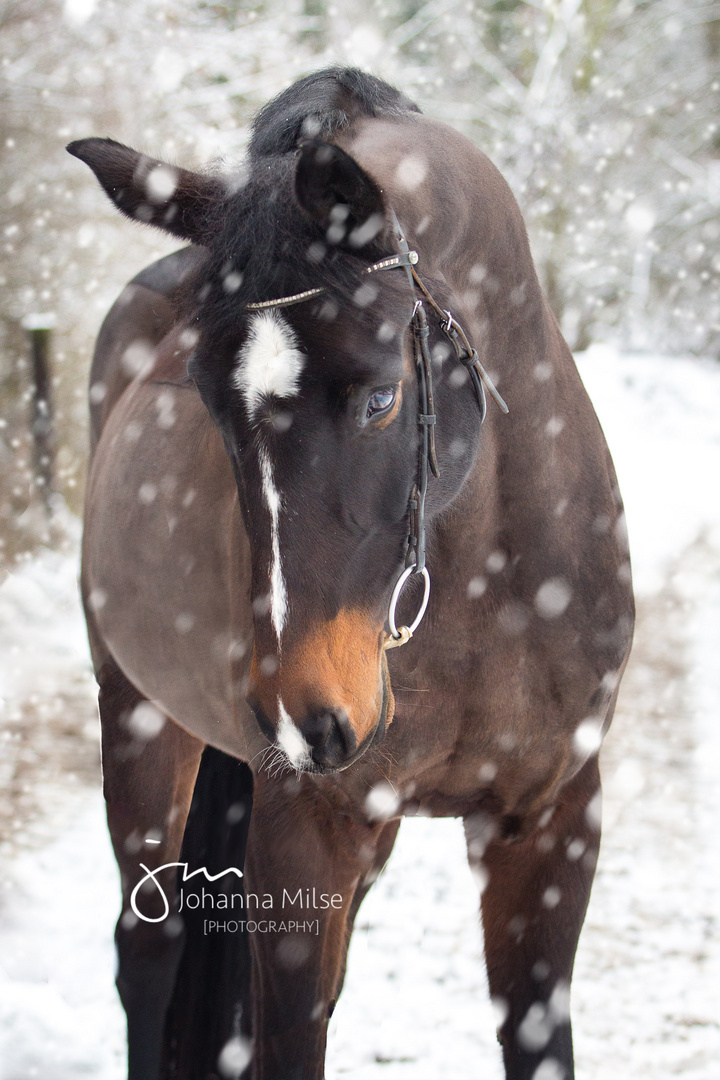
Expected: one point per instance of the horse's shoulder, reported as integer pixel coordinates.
(166, 275)
(170, 360)
(143, 314)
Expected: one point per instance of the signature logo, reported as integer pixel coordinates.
(150, 876)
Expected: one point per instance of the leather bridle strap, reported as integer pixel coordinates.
(465, 353)
(416, 542)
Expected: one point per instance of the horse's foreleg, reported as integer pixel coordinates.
(382, 852)
(533, 907)
(210, 1008)
(312, 861)
(149, 770)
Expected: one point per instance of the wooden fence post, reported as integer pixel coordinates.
(39, 329)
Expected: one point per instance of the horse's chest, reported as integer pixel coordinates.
(485, 727)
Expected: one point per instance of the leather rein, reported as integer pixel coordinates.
(406, 259)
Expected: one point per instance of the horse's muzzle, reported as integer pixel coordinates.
(323, 740)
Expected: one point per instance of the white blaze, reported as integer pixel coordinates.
(278, 591)
(290, 740)
(270, 361)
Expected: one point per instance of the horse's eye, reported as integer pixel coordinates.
(380, 400)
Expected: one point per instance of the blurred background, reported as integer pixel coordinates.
(603, 116)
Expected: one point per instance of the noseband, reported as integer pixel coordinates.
(468, 357)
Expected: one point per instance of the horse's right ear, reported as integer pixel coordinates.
(145, 189)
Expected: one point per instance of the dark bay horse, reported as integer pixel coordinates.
(288, 438)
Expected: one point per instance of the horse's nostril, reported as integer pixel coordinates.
(330, 736)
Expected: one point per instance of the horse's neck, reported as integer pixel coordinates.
(460, 215)
(542, 466)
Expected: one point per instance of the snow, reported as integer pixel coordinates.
(415, 1004)
(660, 417)
(59, 1017)
(41, 634)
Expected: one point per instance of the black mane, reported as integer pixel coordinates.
(320, 105)
(264, 242)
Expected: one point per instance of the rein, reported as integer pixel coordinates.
(406, 259)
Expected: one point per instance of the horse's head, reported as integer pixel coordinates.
(318, 404)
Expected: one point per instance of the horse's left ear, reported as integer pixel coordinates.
(340, 196)
(175, 200)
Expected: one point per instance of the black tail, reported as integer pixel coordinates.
(211, 1000)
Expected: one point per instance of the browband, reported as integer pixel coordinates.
(403, 258)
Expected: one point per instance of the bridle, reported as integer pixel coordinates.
(406, 259)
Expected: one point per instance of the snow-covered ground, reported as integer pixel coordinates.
(647, 982)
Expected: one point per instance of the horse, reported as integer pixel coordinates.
(347, 382)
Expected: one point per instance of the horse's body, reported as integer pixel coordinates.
(501, 697)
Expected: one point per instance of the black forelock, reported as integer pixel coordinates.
(264, 244)
(264, 250)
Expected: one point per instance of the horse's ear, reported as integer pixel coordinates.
(340, 196)
(148, 190)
